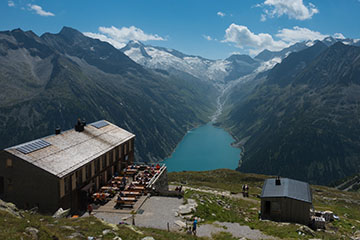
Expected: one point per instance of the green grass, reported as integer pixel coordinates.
(50, 228)
(344, 204)
(211, 208)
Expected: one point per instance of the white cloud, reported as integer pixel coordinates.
(298, 34)
(339, 35)
(119, 37)
(221, 14)
(294, 9)
(38, 10)
(207, 37)
(11, 3)
(104, 38)
(263, 18)
(243, 38)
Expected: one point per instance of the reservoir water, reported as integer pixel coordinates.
(204, 148)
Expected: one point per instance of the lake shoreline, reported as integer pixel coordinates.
(210, 147)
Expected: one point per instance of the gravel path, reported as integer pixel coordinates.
(157, 212)
(234, 228)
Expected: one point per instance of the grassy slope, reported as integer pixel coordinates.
(344, 204)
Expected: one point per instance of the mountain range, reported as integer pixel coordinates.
(52, 80)
(295, 112)
(179, 64)
(301, 120)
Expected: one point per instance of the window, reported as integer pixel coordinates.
(116, 154)
(111, 156)
(9, 163)
(97, 165)
(104, 161)
(88, 171)
(78, 177)
(125, 148)
(67, 183)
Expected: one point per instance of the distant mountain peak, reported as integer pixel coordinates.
(135, 43)
(70, 32)
(241, 57)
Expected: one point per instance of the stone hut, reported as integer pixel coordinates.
(286, 200)
(63, 169)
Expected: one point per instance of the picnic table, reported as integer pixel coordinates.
(125, 201)
(108, 188)
(131, 194)
(136, 189)
(119, 178)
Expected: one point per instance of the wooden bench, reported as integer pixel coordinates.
(131, 194)
(125, 202)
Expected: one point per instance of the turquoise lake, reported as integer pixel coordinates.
(204, 148)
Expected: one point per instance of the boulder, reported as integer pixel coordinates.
(61, 213)
(180, 224)
(76, 235)
(33, 232)
(10, 208)
(148, 238)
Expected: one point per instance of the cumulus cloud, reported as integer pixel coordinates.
(104, 38)
(243, 38)
(119, 37)
(11, 3)
(207, 37)
(38, 10)
(294, 9)
(221, 14)
(298, 34)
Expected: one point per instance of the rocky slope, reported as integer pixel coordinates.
(180, 64)
(300, 121)
(52, 80)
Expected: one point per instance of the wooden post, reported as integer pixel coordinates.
(168, 227)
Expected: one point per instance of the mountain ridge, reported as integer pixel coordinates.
(50, 81)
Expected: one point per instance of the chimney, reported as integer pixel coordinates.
(57, 130)
(79, 127)
(277, 181)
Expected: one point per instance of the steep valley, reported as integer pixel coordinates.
(300, 121)
(294, 111)
(54, 79)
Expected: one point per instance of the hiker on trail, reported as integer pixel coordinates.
(246, 190)
(243, 190)
(194, 226)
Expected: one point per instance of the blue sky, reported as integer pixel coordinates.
(210, 28)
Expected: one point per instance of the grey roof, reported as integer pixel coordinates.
(289, 188)
(71, 150)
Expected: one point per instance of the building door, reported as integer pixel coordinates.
(267, 207)
(2, 187)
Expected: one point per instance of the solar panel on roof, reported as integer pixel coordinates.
(99, 124)
(33, 146)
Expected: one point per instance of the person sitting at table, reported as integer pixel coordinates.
(103, 197)
(123, 180)
(157, 166)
